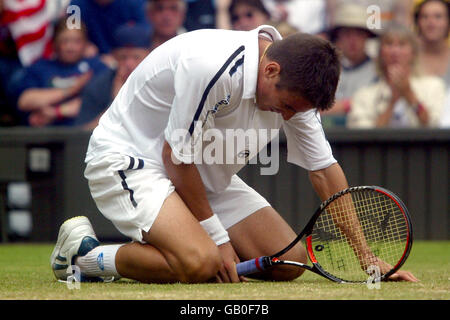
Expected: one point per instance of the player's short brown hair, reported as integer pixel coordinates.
(310, 67)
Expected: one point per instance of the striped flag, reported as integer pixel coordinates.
(30, 26)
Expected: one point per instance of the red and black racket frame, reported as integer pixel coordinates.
(262, 263)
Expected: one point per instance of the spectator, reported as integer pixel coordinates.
(390, 11)
(350, 34)
(132, 45)
(26, 32)
(223, 20)
(432, 18)
(402, 97)
(9, 63)
(49, 89)
(167, 18)
(103, 17)
(304, 15)
(247, 15)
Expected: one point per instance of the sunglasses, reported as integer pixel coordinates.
(248, 15)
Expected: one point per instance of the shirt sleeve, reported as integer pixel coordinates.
(306, 142)
(201, 89)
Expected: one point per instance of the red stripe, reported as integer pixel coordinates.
(11, 16)
(258, 265)
(407, 225)
(311, 255)
(31, 37)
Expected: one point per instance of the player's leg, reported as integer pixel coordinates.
(256, 229)
(170, 245)
(177, 249)
(265, 232)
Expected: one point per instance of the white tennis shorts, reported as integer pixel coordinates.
(130, 192)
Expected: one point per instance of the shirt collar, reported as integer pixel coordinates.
(252, 59)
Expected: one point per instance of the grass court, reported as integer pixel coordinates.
(25, 274)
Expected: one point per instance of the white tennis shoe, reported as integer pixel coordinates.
(76, 237)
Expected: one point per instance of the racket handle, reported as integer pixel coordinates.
(252, 266)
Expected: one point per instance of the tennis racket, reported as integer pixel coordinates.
(361, 234)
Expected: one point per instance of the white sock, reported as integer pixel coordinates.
(100, 261)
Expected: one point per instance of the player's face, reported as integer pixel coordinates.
(270, 98)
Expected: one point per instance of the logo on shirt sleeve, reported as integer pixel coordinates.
(219, 105)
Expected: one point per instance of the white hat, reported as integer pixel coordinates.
(350, 15)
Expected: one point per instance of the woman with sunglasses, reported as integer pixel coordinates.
(247, 15)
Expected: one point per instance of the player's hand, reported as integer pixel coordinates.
(384, 267)
(403, 275)
(227, 272)
(400, 275)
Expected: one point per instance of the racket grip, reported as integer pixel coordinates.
(251, 266)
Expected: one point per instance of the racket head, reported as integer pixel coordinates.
(385, 223)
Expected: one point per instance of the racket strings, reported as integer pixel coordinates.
(358, 230)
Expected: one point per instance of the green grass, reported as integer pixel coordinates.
(25, 274)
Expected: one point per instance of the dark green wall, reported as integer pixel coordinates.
(412, 163)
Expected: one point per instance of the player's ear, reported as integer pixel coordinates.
(272, 69)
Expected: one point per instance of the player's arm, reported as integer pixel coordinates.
(187, 181)
(190, 187)
(327, 182)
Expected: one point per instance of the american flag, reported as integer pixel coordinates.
(29, 23)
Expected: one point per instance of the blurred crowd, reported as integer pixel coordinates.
(62, 62)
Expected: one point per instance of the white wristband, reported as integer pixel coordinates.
(215, 230)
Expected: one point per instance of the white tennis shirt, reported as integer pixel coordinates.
(196, 91)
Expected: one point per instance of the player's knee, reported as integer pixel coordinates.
(285, 273)
(201, 266)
